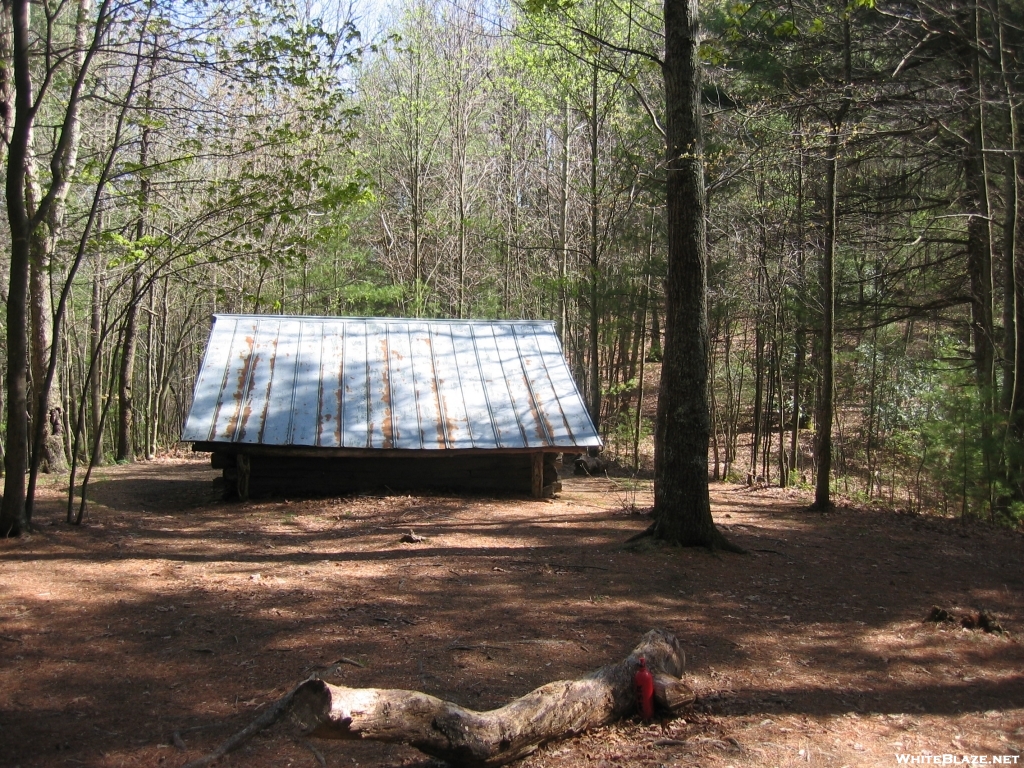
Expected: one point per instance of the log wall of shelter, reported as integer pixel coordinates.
(283, 475)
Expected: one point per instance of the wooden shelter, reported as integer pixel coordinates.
(324, 405)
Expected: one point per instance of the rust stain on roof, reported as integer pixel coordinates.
(266, 399)
(387, 426)
(538, 417)
(340, 399)
(442, 426)
(452, 427)
(247, 408)
(424, 394)
(243, 376)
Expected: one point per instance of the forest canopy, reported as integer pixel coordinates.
(865, 301)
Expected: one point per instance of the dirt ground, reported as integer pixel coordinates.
(171, 619)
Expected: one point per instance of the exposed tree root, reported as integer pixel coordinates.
(718, 542)
(647, 532)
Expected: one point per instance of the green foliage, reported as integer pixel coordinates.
(620, 433)
(292, 169)
(621, 388)
(796, 480)
(933, 416)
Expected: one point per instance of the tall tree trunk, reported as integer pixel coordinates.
(563, 226)
(150, 357)
(459, 150)
(48, 408)
(682, 507)
(799, 336)
(979, 252)
(13, 514)
(826, 396)
(47, 404)
(780, 388)
(1013, 256)
(95, 331)
(509, 202)
(869, 449)
(6, 84)
(417, 256)
(758, 417)
(823, 446)
(642, 335)
(656, 352)
(595, 202)
(47, 214)
(125, 451)
(730, 420)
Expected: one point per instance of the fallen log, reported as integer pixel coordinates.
(463, 737)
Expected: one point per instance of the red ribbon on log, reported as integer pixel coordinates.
(643, 681)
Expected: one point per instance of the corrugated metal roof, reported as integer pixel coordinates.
(381, 383)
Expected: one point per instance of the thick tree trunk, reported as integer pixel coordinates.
(463, 737)
(46, 221)
(48, 405)
(826, 396)
(682, 508)
(823, 443)
(13, 514)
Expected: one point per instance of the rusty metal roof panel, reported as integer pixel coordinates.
(387, 383)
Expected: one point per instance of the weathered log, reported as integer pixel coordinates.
(464, 737)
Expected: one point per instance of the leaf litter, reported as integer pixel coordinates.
(153, 633)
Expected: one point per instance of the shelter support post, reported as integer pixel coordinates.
(544, 475)
(537, 476)
(242, 465)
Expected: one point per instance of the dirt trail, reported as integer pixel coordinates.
(173, 613)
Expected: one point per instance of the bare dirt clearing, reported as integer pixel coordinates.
(171, 619)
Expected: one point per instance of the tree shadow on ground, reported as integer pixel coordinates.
(154, 620)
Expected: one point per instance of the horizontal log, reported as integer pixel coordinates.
(471, 739)
(305, 487)
(282, 464)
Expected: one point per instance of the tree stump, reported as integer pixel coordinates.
(463, 737)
